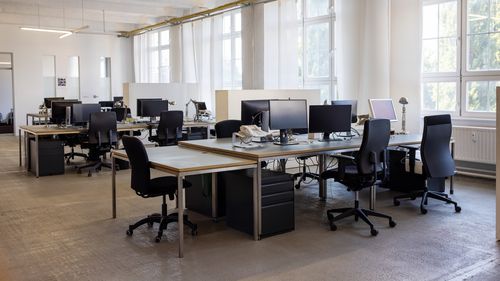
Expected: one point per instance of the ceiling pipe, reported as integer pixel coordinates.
(191, 17)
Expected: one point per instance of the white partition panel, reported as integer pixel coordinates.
(228, 102)
(181, 93)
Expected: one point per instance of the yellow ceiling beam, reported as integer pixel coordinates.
(179, 20)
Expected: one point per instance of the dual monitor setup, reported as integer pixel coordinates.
(288, 114)
(72, 111)
(152, 107)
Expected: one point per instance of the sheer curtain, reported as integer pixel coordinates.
(141, 58)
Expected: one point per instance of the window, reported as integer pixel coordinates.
(231, 51)
(460, 57)
(158, 45)
(316, 48)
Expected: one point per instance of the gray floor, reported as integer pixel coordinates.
(59, 228)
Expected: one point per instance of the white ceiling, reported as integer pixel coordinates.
(118, 15)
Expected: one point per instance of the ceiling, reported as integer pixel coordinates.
(102, 16)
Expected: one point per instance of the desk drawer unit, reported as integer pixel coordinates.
(277, 201)
(51, 157)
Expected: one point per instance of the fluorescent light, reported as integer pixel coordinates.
(65, 35)
(64, 32)
(4, 63)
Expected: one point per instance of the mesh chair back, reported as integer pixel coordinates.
(435, 147)
(170, 126)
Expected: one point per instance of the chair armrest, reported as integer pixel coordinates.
(342, 156)
(410, 147)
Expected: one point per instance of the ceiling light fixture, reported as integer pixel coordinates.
(64, 32)
(4, 63)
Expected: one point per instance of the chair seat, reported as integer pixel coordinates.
(164, 185)
(351, 177)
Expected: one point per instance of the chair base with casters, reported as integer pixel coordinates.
(357, 212)
(95, 164)
(163, 219)
(304, 174)
(71, 155)
(425, 194)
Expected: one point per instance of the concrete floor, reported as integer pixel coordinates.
(60, 228)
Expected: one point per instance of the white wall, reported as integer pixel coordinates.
(5, 92)
(28, 48)
(405, 60)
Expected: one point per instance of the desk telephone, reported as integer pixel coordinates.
(251, 131)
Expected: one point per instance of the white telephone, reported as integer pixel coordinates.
(251, 131)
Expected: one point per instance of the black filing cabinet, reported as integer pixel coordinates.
(50, 156)
(199, 195)
(277, 201)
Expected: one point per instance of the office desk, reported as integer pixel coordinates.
(181, 162)
(42, 130)
(37, 115)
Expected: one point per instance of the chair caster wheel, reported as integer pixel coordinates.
(423, 210)
(89, 175)
(129, 232)
(396, 203)
(150, 224)
(330, 216)
(333, 227)
(297, 186)
(157, 239)
(373, 232)
(356, 218)
(392, 223)
(458, 209)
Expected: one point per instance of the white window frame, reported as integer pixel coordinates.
(331, 80)
(234, 84)
(462, 76)
(158, 48)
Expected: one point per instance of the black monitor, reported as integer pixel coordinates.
(153, 108)
(255, 112)
(59, 110)
(354, 108)
(287, 114)
(200, 105)
(107, 103)
(139, 104)
(329, 119)
(48, 101)
(81, 112)
(115, 99)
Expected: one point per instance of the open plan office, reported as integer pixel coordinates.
(249, 140)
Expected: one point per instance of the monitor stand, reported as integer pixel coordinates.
(284, 139)
(326, 138)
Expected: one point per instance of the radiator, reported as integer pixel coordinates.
(475, 144)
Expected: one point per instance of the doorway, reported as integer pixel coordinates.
(6, 94)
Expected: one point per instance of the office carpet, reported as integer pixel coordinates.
(60, 228)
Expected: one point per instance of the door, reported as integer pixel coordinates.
(6, 94)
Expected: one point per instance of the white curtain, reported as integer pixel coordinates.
(363, 45)
(141, 58)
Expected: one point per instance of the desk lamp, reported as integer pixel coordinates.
(403, 101)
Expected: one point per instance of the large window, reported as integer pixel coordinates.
(231, 51)
(159, 56)
(460, 57)
(316, 46)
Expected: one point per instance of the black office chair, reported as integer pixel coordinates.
(226, 128)
(121, 113)
(102, 138)
(73, 141)
(169, 130)
(362, 171)
(436, 160)
(146, 187)
(302, 176)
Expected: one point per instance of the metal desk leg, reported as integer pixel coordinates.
(26, 148)
(37, 161)
(180, 212)
(113, 185)
(214, 196)
(322, 182)
(453, 156)
(257, 212)
(373, 197)
(283, 165)
(27, 118)
(20, 149)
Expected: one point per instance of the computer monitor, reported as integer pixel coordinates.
(354, 108)
(383, 109)
(153, 108)
(285, 115)
(139, 104)
(59, 110)
(115, 99)
(255, 112)
(81, 112)
(48, 101)
(329, 119)
(200, 105)
(107, 103)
